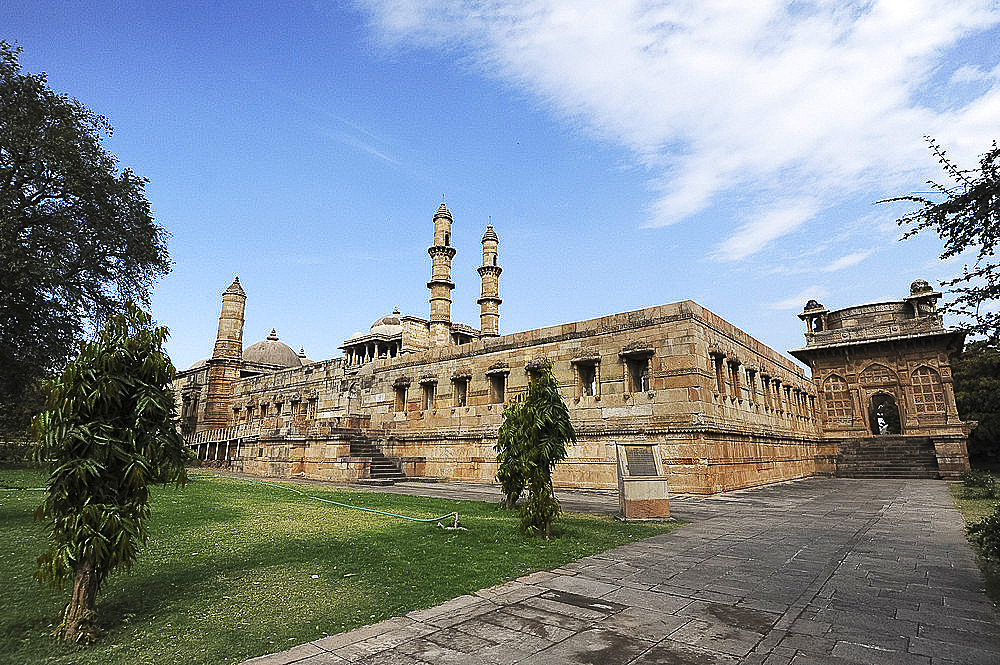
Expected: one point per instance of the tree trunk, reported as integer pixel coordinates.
(78, 623)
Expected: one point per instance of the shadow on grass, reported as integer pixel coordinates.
(233, 570)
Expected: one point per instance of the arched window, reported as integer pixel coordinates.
(876, 374)
(837, 397)
(928, 392)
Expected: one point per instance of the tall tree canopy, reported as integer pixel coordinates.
(107, 431)
(76, 235)
(966, 216)
(977, 395)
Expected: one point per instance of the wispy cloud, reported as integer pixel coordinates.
(798, 301)
(852, 259)
(355, 136)
(970, 74)
(774, 222)
(719, 97)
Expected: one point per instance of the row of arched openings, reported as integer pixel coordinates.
(883, 411)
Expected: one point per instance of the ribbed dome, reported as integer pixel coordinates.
(443, 211)
(272, 352)
(388, 325)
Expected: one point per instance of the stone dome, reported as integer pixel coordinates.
(389, 325)
(272, 352)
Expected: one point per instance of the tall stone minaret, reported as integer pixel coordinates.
(224, 366)
(489, 302)
(441, 285)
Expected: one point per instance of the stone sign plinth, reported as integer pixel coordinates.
(642, 485)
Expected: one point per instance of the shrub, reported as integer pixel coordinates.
(531, 441)
(16, 454)
(986, 536)
(983, 483)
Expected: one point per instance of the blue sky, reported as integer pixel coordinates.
(628, 153)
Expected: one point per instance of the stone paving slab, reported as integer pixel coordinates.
(818, 571)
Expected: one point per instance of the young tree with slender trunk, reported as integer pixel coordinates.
(532, 439)
(107, 432)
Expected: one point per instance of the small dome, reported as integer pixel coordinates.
(272, 352)
(443, 211)
(200, 363)
(236, 288)
(388, 325)
(920, 286)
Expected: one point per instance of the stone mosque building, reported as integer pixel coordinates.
(424, 398)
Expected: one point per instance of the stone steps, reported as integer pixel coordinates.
(381, 469)
(887, 457)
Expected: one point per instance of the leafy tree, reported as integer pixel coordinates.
(76, 236)
(107, 432)
(511, 450)
(966, 216)
(977, 394)
(531, 441)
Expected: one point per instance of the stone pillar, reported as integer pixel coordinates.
(441, 285)
(224, 365)
(489, 272)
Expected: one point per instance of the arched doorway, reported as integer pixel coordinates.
(883, 415)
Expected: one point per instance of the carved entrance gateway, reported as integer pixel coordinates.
(884, 370)
(883, 414)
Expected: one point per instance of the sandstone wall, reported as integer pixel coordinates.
(716, 430)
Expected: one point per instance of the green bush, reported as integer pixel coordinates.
(982, 483)
(16, 454)
(986, 536)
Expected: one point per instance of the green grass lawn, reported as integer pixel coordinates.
(234, 569)
(974, 507)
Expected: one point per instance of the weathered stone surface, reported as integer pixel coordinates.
(724, 411)
(789, 573)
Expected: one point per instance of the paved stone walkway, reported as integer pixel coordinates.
(815, 571)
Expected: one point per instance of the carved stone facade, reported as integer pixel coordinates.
(884, 370)
(721, 410)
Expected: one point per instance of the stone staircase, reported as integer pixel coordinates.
(382, 470)
(887, 457)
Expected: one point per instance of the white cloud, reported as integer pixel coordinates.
(774, 222)
(972, 74)
(799, 300)
(847, 261)
(355, 136)
(718, 97)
